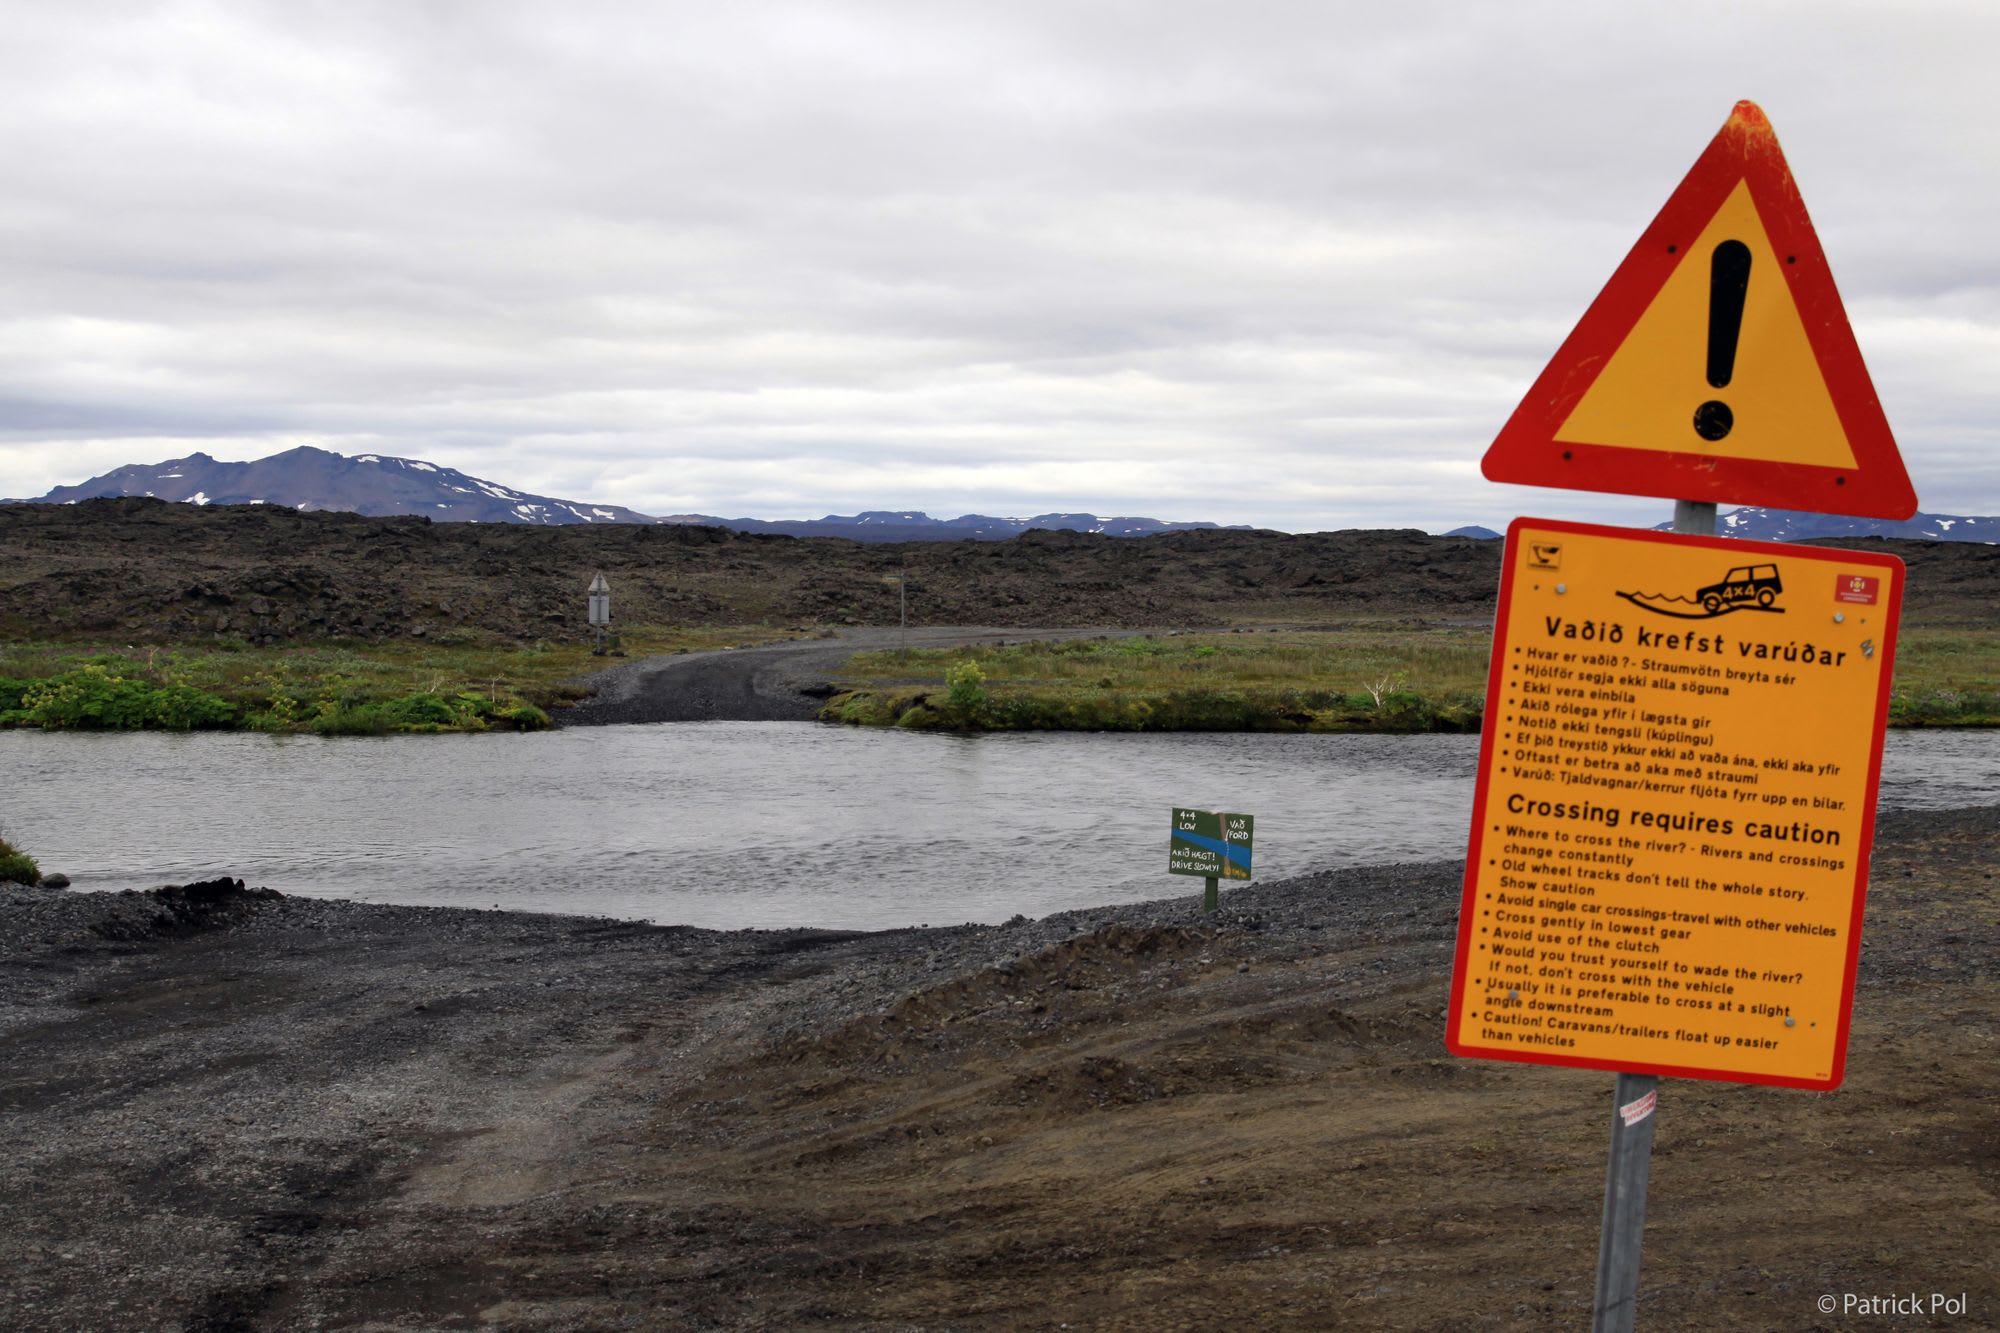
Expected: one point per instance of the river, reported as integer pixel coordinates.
(768, 824)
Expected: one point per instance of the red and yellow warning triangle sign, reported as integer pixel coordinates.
(1717, 364)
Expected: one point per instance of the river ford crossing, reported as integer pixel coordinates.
(735, 824)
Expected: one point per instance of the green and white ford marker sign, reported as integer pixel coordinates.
(1213, 845)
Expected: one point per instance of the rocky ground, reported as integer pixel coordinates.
(156, 570)
(227, 1111)
(147, 570)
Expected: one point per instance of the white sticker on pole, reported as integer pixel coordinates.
(1638, 1109)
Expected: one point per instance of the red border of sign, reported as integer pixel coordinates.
(1740, 552)
(1527, 450)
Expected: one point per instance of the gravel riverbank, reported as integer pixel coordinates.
(232, 1111)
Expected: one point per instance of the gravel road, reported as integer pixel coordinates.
(784, 682)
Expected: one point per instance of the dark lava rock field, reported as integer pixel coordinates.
(149, 570)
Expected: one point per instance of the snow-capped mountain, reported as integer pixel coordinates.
(377, 484)
(1785, 525)
(309, 478)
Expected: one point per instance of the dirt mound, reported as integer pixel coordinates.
(186, 909)
(1094, 1022)
(1239, 1049)
(932, 1025)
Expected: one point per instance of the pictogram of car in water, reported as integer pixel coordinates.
(1744, 585)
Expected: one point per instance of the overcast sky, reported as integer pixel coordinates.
(1282, 264)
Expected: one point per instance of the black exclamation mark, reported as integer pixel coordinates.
(1728, 284)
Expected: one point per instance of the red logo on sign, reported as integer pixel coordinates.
(1857, 588)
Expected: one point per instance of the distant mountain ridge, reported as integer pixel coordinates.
(1785, 525)
(881, 525)
(380, 485)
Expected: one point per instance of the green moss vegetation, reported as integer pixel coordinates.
(332, 689)
(1379, 677)
(1362, 677)
(1357, 678)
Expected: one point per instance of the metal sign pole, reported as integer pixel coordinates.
(1695, 517)
(1624, 1225)
(1633, 1101)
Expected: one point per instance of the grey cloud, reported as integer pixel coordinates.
(918, 256)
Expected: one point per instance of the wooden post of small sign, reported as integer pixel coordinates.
(1633, 1101)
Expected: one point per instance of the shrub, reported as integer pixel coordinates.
(523, 717)
(88, 697)
(92, 697)
(1404, 710)
(421, 712)
(184, 708)
(1390, 684)
(966, 695)
(17, 867)
(281, 706)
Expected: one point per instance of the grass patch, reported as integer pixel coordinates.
(1380, 677)
(1360, 678)
(1946, 678)
(331, 688)
(1364, 677)
(16, 866)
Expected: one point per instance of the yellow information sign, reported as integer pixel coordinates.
(1675, 804)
